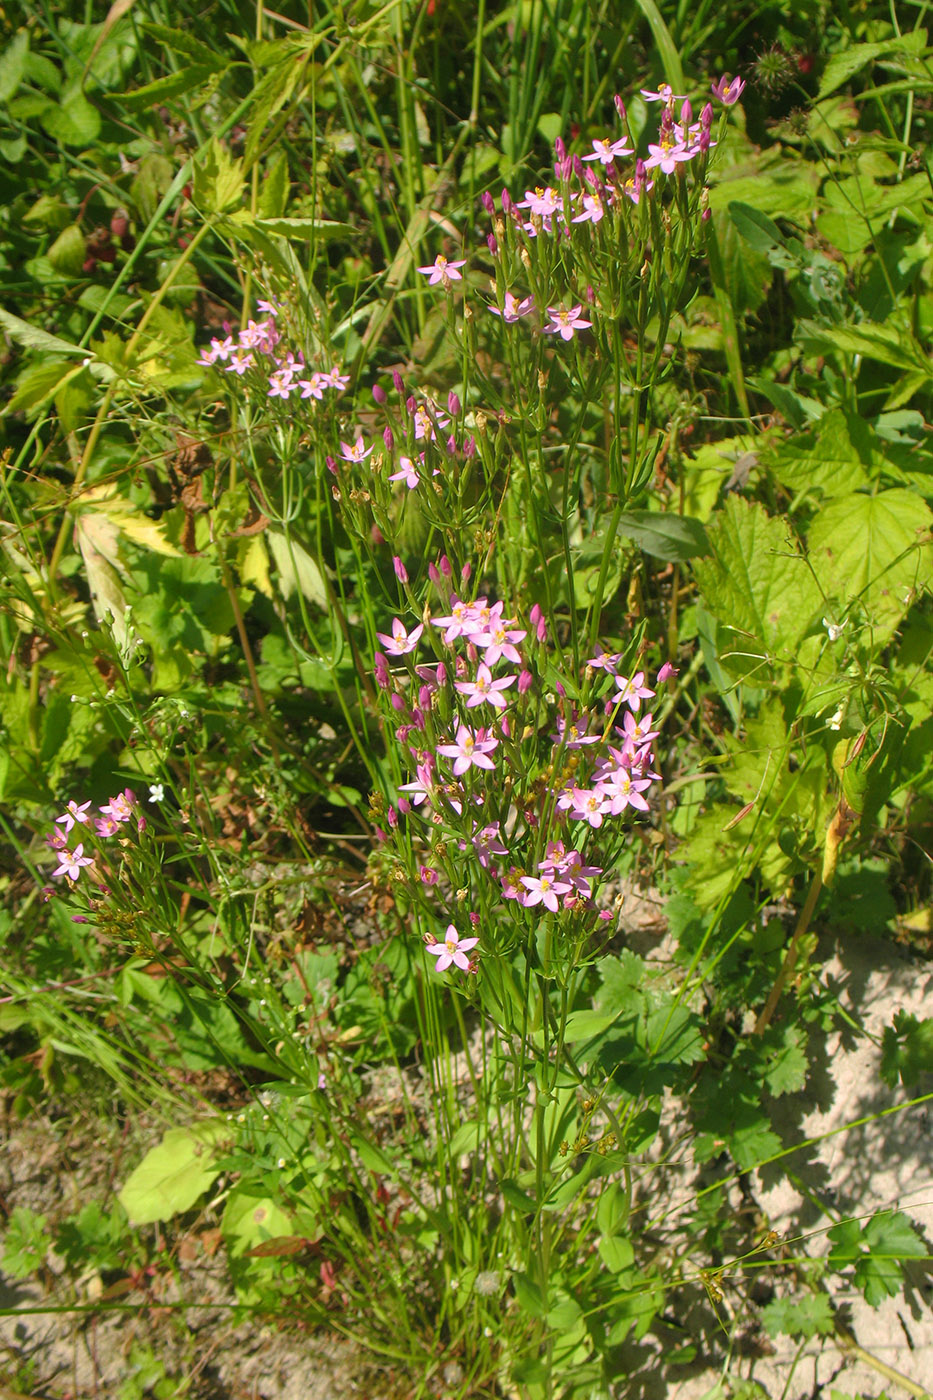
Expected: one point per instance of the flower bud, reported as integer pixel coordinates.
(706, 116)
(411, 403)
(525, 681)
(398, 381)
(491, 244)
(379, 394)
(433, 575)
(404, 806)
(389, 439)
(401, 573)
(578, 167)
(453, 404)
(686, 113)
(465, 572)
(331, 465)
(381, 671)
(397, 702)
(441, 674)
(488, 203)
(469, 446)
(445, 566)
(560, 150)
(427, 875)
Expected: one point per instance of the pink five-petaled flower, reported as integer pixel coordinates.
(73, 813)
(120, 808)
(71, 862)
(442, 271)
(588, 805)
(637, 733)
(621, 790)
(668, 155)
(354, 453)
(605, 661)
(407, 472)
(606, 151)
(541, 201)
(513, 309)
(728, 93)
(543, 890)
(453, 951)
(400, 642)
(565, 323)
(632, 692)
(665, 94)
(593, 210)
(469, 750)
(484, 688)
(498, 641)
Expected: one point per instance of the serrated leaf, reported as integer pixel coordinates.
(875, 549)
(34, 338)
(182, 42)
(906, 1050)
(293, 228)
(756, 583)
(39, 383)
(185, 81)
(664, 535)
(218, 180)
(836, 457)
(784, 1061)
(810, 1316)
(175, 1174)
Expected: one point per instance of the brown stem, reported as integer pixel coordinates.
(790, 957)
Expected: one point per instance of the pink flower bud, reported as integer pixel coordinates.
(560, 690)
(525, 682)
(381, 671)
(451, 445)
(397, 703)
(445, 566)
(379, 394)
(578, 167)
(388, 439)
(706, 216)
(469, 446)
(560, 150)
(686, 112)
(667, 672)
(590, 296)
(492, 244)
(331, 465)
(417, 720)
(486, 200)
(411, 403)
(401, 573)
(392, 818)
(441, 674)
(380, 835)
(474, 920)
(620, 107)
(505, 727)
(465, 572)
(453, 404)
(424, 696)
(706, 116)
(433, 575)
(404, 806)
(427, 875)
(506, 202)
(398, 381)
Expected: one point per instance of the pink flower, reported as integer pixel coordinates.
(728, 93)
(453, 951)
(604, 661)
(400, 642)
(606, 151)
(621, 790)
(565, 323)
(668, 155)
(665, 94)
(71, 863)
(667, 673)
(120, 808)
(280, 384)
(593, 210)
(314, 387)
(425, 419)
(73, 813)
(588, 804)
(422, 787)
(637, 732)
(469, 750)
(442, 271)
(354, 453)
(543, 890)
(513, 309)
(541, 201)
(498, 641)
(407, 472)
(632, 692)
(484, 688)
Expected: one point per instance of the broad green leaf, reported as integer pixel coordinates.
(249, 1220)
(12, 64)
(274, 89)
(875, 549)
(746, 268)
(67, 253)
(296, 569)
(843, 66)
(755, 227)
(785, 191)
(808, 1316)
(906, 1050)
(834, 458)
(889, 345)
(172, 1176)
(664, 535)
(74, 121)
(180, 41)
(296, 228)
(273, 192)
(123, 518)
(756, 584)
(40, 382)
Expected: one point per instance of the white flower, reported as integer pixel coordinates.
(156, 792)
(834, 630)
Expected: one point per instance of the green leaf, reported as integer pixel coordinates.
(39, 383)
(250, 1220)
(181, 42)
(664, 536)
(843, 66)
(755, 227)
(875, 549)
(73, 121)
(294, 228)
(835, 457)
(35, 339)
(296, 569)
(218, 180)
(172, 1176)
(530, 1297)
(906, 1050)
(617, 1253)
(12, 64)
(784, 1064)
(747, 271)
(181, 84)
(273, 192)
(756, 583)
(810, 1316)
(67, 253)
(664, 43)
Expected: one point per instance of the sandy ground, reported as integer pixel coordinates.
(872, 1165)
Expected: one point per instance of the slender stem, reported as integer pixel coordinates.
(790, 957)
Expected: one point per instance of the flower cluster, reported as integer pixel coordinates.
(258, 348)
(111, 818)
(519, 779)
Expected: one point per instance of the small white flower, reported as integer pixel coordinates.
(156, 792)
(836, 721)
(834, 630)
